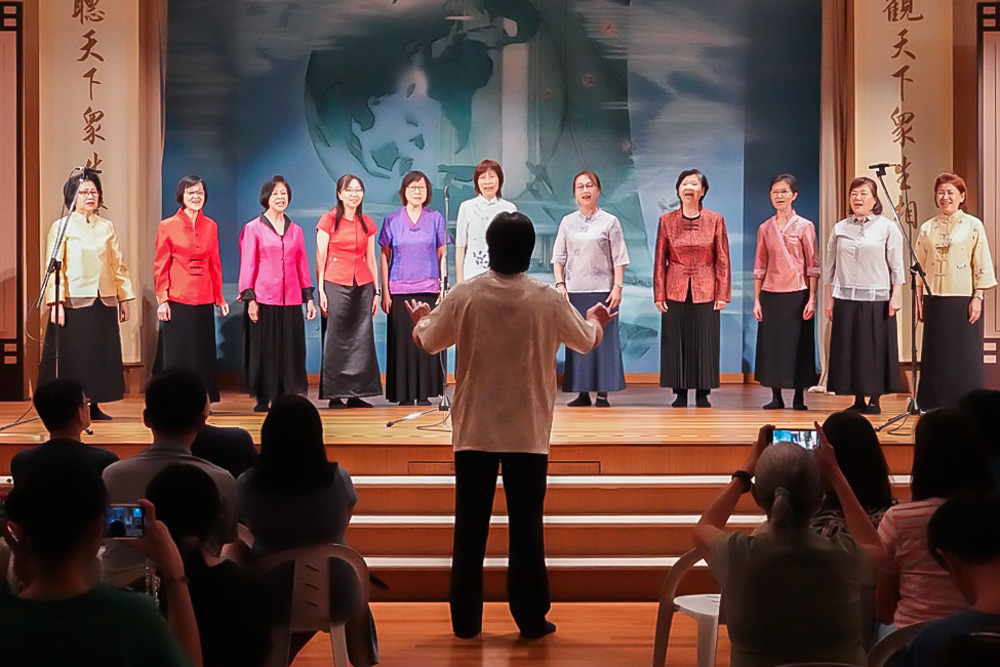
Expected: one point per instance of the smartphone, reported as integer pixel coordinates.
(125, 522)
(807, 438)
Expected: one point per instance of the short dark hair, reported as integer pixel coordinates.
(482, 168)
(413, 177)
(73, 184)
(872, 187)
(55, 508)
(292, 451)
(984, 406)
(949, 455)
(860, 458)
(693, 172)
(190, 181)
(793, 183)
(967, 525)
(268, 188)
(186, 500)
(510, 240)
(57, 402)
(175, 401)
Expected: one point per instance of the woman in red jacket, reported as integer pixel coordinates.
(691, 284)
(187, 275)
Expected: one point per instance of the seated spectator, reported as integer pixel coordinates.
(295, 497)
(963, 535)
(229, 602)
(55, 525)
(227, 447)
(949, 456)
(860, 458)
(984, 406)
(176, 408)
(65, 412)
(790, 595)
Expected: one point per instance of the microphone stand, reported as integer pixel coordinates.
(444, 405)
(912, 408)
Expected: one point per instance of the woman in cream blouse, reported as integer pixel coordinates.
(95, 289)
(953, 251)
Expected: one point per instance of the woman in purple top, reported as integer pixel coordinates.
(413, 241)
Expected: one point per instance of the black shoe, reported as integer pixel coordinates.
(775, 405)
(98, 415)
(547, 629)
(407, 403)
(873, 409)
(701, 399)
(336, 404)
(466, 634)
(857, 407)
(355, 402)
(581, 401)
(798, 405)
(423, 401)
(602, 402)
(260, 407)
(680, 402)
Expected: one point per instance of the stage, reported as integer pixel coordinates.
(626, 484)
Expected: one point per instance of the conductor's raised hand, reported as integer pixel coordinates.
(600, 314)
(418, 309)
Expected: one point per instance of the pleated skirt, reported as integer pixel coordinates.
(90, 352)
(952, 352)
(275, 353)
(350, 366)
(188, 341)
(864, 353)
(689, 345)
(410, 373)
(600, 369)
(786, 343)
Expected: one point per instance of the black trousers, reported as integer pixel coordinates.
(524, 484)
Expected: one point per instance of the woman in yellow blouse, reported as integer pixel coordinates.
(94, 291)
(953, 251)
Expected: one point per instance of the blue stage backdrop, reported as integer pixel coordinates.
(635, 91)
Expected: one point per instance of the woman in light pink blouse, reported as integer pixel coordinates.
(785, 274)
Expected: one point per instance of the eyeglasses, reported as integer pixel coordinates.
(416, 186)
(194, 193)
(586, 186)
(353, 191)
(88, 193)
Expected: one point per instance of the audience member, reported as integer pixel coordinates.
(860, 458)
(984, 406)
(229, 603)
(56, 523)
(791, 595)
(295, 497)
(964, 538)
(949, 456)
(228, 447)
(176, 408)
(65, 412)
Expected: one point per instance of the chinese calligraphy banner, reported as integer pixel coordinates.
(89, 102)
(903, 103)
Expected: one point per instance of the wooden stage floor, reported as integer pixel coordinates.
(640, 415)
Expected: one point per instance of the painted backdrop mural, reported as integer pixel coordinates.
(635, 91)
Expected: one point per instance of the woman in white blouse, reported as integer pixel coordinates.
(863, 272)
(474, 216)
(589, 260)
(953, 250)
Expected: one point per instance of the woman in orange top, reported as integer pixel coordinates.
(187, 274)
(346, 269)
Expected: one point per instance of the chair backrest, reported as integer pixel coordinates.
(665, 610)
(893, 643)
(311, 586)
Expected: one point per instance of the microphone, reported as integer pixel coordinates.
(884, 165)
(88, 431)
(446, 193)
(88, 169)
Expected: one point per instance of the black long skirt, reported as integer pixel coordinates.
(864, 353)
(188, 341)
(601, 369)
(786, 343)
(689, 346)
(350, 366)
(90, 352)
(410, 373)
(952, 352)
(276, 353)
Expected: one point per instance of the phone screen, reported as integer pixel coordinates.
(807, 438)
(125, 522)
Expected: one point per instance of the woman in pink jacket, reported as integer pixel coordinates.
(274, 283)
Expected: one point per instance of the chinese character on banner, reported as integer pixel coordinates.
(92, 127)
(902, 130)
(907, 212)
(900, 46)
(903, 80)
(87, 11)
(88, 48)
(89, 75)
(94, 162)
(900, 10)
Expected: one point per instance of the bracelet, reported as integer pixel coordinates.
(560, 284)
(981, 297)
(744, 477)
(620, 286)
(378, 292)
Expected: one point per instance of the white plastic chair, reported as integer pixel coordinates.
(704, 609)
(893, 643)
(310, 609)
